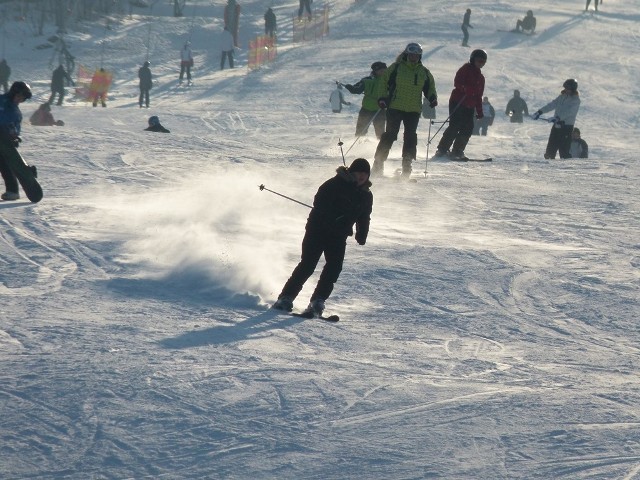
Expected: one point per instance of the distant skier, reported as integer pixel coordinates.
(270, 25)
(337, 99)
(186, 62)
(516, 107)
(481, 125)
(373, 88)
(304, 5)
(146, 82)
(5, 73)
(406, 81)
(579, 148)
(10, 124)
(43, 117)
(465, 27)
(595, 4)
(566, 107)
(100, 83)
(226, 47)
(232, 19)
(340, 203)
(527, 24)
(464, 102)
(58, 79)
(155, 126)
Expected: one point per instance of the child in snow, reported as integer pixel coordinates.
(337, 99)
(579, 148)
(566, 107)
(155, 126)
(340, 202)
(42, 117)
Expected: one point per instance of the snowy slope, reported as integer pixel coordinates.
(488, 328)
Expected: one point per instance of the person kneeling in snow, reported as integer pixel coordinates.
(42, 117)
(340, 202)
(154, 125)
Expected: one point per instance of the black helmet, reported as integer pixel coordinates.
(477, 54)
(154, 120)
(21, 88)
(375, 66)
(146, 64)
(571, 84)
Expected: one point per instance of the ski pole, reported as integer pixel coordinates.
(344, 162)
(262, 187)
(364, 129)
(426, 164)
(452, 112)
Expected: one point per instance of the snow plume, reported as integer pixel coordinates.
(215, 233)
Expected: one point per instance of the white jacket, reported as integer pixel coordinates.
(566, 107)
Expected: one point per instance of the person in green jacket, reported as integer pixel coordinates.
(373, 88)
(405, 81)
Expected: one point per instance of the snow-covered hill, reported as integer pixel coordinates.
(488, 328)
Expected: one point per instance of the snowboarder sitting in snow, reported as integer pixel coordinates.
(155, 126)
(566, 107)
(42, 117)
(527, 24)
(579, 148)
(340, 202)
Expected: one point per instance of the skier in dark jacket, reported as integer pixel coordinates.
(465, 27)
(5, 73)
(10, 124)
(340, 202)
(373, 88)
(464, 102)
(516, 107)
(146, 82)
(270, 23)
(58, 78)
(155, 126)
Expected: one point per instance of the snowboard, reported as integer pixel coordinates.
(25, 174)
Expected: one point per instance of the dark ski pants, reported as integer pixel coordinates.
(304, 5)
(465, 33)
(364, 119)
(314, 244)
(144, 96)
(559, 141)
(185, 67)
(409, 147)
(226, 54)
(60, 96)
(10, 180)
(459, 130)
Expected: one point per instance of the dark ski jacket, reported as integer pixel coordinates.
(339, 204)
(10, 117)
(5, 71)
(58, 77)
(157, 128)
(144, 74)
(468, 87)
(515, 107)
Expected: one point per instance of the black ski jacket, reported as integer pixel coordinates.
(339, 204)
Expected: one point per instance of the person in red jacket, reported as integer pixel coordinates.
(465, 102)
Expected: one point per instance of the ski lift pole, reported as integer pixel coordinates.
(262, 187)
(344, 162)
(364, 130)
(148, 41)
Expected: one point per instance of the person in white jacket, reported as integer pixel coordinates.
(186, 61)
(566, 107)
(227, 46)
(337, 99)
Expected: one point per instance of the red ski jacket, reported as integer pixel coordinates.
(468, 87)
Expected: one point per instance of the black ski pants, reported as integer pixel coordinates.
(144, 96)
(460, 128)
(559, 141)
(314, 244)
(409, 147)
(10, 180)
(226, 54)
(364, 118)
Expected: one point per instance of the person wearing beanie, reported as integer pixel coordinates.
(373, 88)
(341, 203)
(566, 106)
(155, 125)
